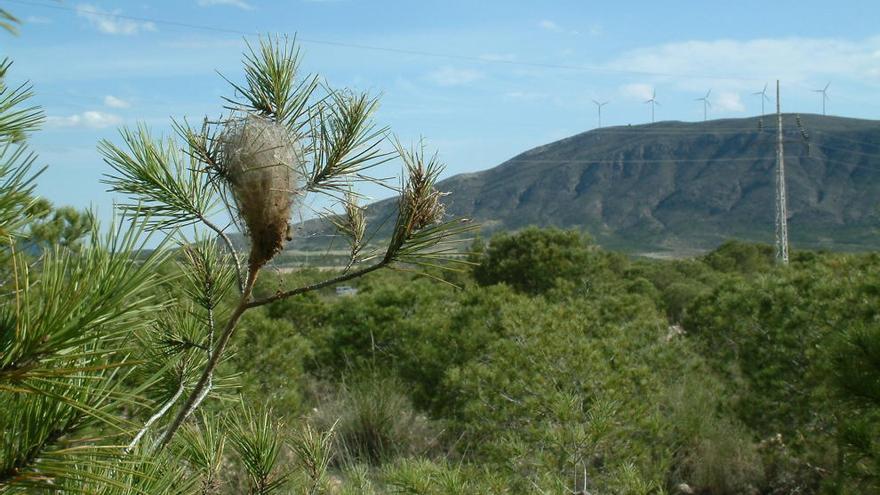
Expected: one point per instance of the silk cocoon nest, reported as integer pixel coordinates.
(264, 168)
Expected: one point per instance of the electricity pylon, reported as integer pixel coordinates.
(781, 207)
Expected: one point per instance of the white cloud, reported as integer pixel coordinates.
(638, 91)
(114, 102)
(241, 4)
(552, 26)
(549, 25)
(451, 76)
(742, 64)
(727, 101)
(90, 119)
(110, 22)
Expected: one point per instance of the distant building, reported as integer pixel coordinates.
(346, 290)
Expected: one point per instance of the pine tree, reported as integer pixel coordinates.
(108, 351)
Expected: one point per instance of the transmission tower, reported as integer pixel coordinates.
(781, 210)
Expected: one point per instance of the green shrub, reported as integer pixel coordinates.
(374, 422)
(270, 355)
(533, 260)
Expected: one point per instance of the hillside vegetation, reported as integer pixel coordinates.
(681, 187)
(560, 367)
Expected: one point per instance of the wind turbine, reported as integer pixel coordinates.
(764, 97)
(706, 104)
(653, 101)
(599, 108)
(824, 92)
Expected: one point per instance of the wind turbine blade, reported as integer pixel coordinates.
(656, 102)
(765, 88)
(708, 93)
(826, 86)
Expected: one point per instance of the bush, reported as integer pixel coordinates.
(270, 356)
(741, 257)
(725, 462)
(533, 260)
(374, 422)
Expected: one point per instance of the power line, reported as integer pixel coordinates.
(401, 51)
(836, 135)
(611, 161)
(844, 150)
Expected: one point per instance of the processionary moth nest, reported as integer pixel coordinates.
(263, 165)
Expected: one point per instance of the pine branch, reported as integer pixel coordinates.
(16, 121)
(214, 360)
(16, 189)
(166, 185)
(10, 23)
(320, 285)
(271, 88)
(346, 142)
(156, 417)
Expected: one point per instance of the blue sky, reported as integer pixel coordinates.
(516, 74)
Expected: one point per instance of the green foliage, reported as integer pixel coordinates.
(378, 328)
(272, 89)
(534, 260)
(66, 343)
(741, 257)
(64, 226)
(16, 120)
(257, 439)
(800, 367)
(374, 422)
(203, 444)
(559, 368)
(548, 397)
(163, 181)
(270, 355)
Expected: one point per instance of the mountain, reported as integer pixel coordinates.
(680, 187)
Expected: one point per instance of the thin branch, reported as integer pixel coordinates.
(214, 360)
(156, 417)
(320, 285)
(210, 385)
(226, 240)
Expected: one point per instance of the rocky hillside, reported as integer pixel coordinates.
(676, 186)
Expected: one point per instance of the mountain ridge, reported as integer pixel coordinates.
(679, 185)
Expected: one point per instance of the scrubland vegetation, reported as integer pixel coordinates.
(560, 366)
